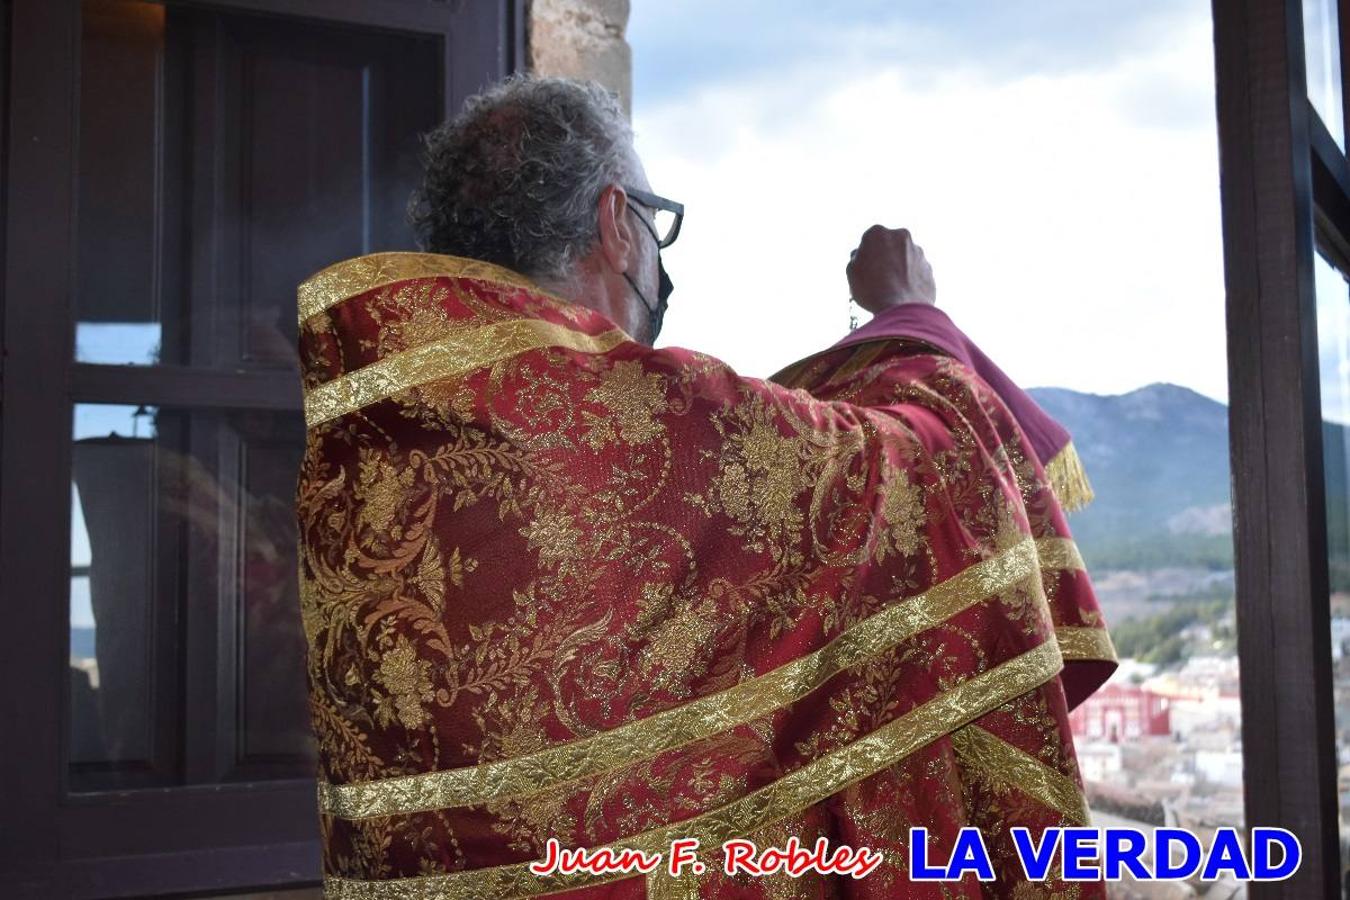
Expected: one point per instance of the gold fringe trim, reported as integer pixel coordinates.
(1069, 479)
(788, 796)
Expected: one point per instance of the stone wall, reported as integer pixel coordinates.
(583, 39)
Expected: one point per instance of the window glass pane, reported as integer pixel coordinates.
(112, 692)
(1333, 338)
(197, 203)
(201, 204)
(187, 656)
(118, 291)
(1322, 52)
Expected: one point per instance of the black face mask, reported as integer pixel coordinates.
(655, 314)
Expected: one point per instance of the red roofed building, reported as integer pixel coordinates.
(1119, 712)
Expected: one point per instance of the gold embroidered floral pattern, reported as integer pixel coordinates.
(632, 399)
(761, 476)
(407, 678)
(554, 586)
(903, 513)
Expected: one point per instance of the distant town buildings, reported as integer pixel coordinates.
(1168, 737)
(1164, 747)
(1120, 712)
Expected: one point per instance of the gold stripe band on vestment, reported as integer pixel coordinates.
(692, 721)
(1059, 555)
(999, 761)
(1080, 642)
(789, 795)
(454, 355)
(1076, 642)
(353, 277)
(789, 375)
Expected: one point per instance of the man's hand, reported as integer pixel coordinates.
(889, 269)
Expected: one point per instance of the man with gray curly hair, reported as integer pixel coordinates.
(539, 175)
(587, 615)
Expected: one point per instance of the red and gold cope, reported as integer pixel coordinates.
(558, 584)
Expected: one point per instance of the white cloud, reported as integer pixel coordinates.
(1072, 218)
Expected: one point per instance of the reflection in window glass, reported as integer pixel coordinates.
(1058, 163)
(1333, 339)
(123, 215)
(1322, 52)
(111, 710)
(186, 654)
(182, 598)
(162, 279)
(118, 343)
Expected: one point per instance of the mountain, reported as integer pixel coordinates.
(1157, 458)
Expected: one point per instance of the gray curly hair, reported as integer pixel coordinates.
(514, 178)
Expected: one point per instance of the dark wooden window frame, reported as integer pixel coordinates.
(157, 841)
(1285, 189)
(1284, 185)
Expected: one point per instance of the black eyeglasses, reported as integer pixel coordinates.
(666, 215)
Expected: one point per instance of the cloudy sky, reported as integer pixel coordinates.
(1057, 160)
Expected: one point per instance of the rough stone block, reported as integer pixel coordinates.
(583, 39)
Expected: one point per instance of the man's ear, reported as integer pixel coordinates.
(616, 228)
